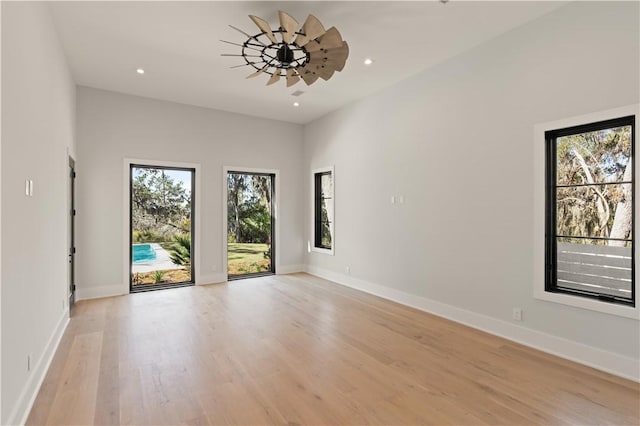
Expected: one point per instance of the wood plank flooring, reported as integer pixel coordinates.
(296, 350)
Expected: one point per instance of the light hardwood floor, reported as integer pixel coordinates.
(299, 350)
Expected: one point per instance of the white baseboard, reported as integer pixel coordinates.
(85, 293)
(219, 277)
(289, 269)
(610, 362)
(29, 393)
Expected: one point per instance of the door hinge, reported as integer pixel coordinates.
(73, 287)
(73, 212)
(73, 250)
(73, 174)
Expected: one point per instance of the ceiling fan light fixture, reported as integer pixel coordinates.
(306, 52)
(285, 55)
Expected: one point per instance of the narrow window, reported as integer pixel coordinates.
(323, 209)
(590, 218)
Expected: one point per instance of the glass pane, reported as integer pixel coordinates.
(249, 223)
(602, 211)
(326, 211)
(601, 266)
(161, 226)
(594, 157)
(326, 185)
(325, 235)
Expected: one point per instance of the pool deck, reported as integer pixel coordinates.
(161, 262)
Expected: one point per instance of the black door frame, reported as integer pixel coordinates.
(151, 287)
(72, 233)
(272, 270)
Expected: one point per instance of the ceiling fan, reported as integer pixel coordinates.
(307, 53)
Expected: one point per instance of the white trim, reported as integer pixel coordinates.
(225, 170)
(290, 269)
(1, 232)
(212, 279)
(86, 293)
(312, 243)
(539, 215)
(600, 359)
(124, 287)
(30, 390)
(315, 249)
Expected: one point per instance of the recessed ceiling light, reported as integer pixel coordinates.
(368, 61)
(140, 71)
(296, 104)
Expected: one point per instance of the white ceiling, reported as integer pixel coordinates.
(177, 43)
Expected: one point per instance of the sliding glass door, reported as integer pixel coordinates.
(161, 234)
(250, 224)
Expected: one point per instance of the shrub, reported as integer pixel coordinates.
(148, 236)
(180, 250)
(157, 276)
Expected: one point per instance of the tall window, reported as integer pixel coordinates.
(323, 209)
(590, 218)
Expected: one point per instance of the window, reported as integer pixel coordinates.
(590, 214)
(323, 210)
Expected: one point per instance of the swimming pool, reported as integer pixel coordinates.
(143, 253)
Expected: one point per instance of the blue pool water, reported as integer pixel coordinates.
(143, 253)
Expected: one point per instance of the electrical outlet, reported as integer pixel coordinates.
(347, 269)
(517, 314)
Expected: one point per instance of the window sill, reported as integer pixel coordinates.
(322, 250)
(590, 304)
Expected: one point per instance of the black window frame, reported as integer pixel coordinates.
(272, 183)
(152, 287)
(317, 209)
(551, 187)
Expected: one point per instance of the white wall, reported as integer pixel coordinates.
(112, 127)
(38, 113)
(457, 142)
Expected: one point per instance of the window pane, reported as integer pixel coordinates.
(326, 184)
(597, 268)
(594, 157)
(603, 211)
(326, 210)
(325, 235)
(323, 210)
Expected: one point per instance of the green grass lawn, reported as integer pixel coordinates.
(246, 258)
